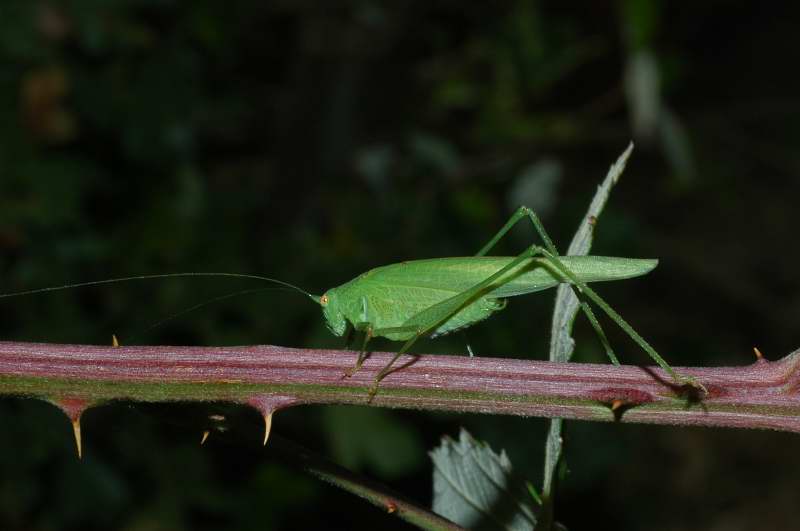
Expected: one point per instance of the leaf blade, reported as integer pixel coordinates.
(562, 345)
(476, 488)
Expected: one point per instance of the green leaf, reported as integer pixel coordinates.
(475, 487)
(566, 308)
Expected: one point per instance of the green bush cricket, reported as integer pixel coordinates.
(410, 300)
(429, 298)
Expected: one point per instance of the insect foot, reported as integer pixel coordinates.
(689, 387)
(373, 390)
(352, 370)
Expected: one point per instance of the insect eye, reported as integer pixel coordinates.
(323, 300)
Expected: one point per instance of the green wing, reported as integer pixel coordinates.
(456, 275)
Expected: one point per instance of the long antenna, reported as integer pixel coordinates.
(164, 275)
(199, 305)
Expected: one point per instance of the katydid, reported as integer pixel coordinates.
(429, 298)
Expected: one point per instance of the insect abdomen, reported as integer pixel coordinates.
(473, 313)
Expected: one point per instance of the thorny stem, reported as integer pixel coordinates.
(75, 377)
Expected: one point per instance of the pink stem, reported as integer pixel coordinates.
(762, 395)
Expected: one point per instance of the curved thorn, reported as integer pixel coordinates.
(76, 430)
(267, 426)
(267, 404)
(73, 408)
(206, 433)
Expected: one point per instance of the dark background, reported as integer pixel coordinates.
(311, 141)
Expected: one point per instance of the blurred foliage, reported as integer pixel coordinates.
(311, 141)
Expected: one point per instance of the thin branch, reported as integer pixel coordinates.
(75, 377)
(375, 493)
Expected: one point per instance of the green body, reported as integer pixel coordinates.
(398, 295)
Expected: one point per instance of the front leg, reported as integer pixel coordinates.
(417, 333)
(362, 355)
(365, 325)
